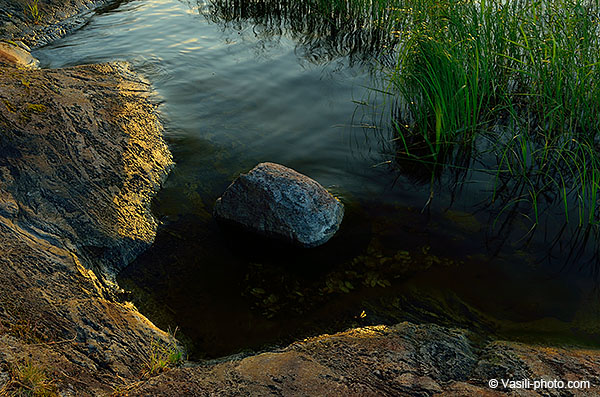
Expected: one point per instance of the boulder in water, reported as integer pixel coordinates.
(279, 202)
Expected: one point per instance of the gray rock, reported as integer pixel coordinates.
(277, 201)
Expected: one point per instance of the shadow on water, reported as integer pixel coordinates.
(229, 291)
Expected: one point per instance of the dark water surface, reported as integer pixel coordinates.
(245, 82)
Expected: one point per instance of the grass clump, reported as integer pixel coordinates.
(161, 356)
(516, 81)
(33, 11)
(28, 379)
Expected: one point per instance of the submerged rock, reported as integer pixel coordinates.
(279, 202)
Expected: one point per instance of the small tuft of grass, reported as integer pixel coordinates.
(33, 11)
(28, 379)
(161, 356)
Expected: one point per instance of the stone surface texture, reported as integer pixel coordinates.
(11, 53)
(277, 201)
(81, 155)
(56, 19)
(400, 360)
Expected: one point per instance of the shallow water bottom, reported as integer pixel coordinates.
(233, 292)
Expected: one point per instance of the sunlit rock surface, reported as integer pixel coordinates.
(81, 154)
(401, 360)
(279, 202)
(11, 53)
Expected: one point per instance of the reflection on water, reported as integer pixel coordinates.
(248, 81)
(323, 31)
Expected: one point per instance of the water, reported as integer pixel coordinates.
(243, 83)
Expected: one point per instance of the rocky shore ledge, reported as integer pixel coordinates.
(81, 155)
